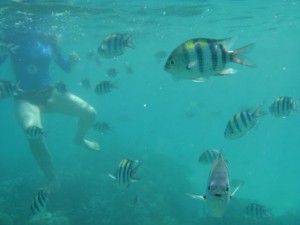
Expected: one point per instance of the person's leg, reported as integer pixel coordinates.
(69, 104)
(29, 115)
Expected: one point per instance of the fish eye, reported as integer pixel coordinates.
(172, 61)
(208, 188)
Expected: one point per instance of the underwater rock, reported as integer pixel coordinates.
(5, 219)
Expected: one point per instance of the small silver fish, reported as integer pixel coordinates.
(103, 87)
(114, 45)
(257, 211)
(242, 122)
(284, 106)
(218, 193)
(126, 172)
(199, 58)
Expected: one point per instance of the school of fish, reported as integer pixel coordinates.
(196, 59)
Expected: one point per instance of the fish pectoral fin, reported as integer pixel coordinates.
(228, 71)
(191, 65)
(112, 176)
(235, 190)
(198, 197)
(200, 80)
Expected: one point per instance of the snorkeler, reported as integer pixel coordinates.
(37, 94)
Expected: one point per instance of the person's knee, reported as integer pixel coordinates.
(90, 113)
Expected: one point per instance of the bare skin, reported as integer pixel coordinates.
(65, 103)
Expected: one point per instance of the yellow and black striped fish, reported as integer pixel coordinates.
(257, 211)
(199, 58)
(242, 122)
(39, 202)
(103, 87)
(35, 132)
(126, 172)
(114, 45)
(283, 106)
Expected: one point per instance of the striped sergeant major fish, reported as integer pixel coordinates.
(257, 211)
(114, 45)
(242, 122)
(8, 89)
(218, 193)
(39, 201)
(35, 132)
(284, 106)
(126, 172)
(209, 156)
(199, 58)
(103, 87)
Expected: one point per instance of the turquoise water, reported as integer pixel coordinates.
(164, 123)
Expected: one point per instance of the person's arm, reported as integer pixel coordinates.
(62, 61)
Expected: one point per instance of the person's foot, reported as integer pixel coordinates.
(88, 144)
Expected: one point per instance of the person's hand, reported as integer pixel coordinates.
(74, 58)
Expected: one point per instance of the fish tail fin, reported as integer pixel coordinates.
(129, 42)
(14, 49)
(296, 105)
(259, 112)
(18, 90)
(237, 56)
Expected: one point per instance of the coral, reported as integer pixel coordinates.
(5, 219)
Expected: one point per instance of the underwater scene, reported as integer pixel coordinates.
(149, 112)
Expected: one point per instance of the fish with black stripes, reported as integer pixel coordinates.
(39, 202)
(208, 156)
(284, 106)
(104, 87)
(199, 58)
(242, 122)
(101, 127)
(8, 89)
(257, 211)
(35, 132)
(126, 172)
(218, 192)
(61, 87)
(114, 45)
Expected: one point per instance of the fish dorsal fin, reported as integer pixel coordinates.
(228, 42)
